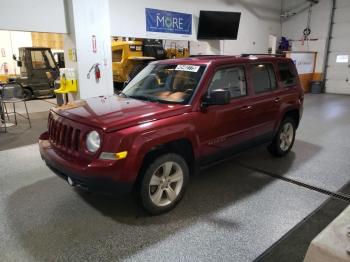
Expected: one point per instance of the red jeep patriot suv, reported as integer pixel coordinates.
(174, 116)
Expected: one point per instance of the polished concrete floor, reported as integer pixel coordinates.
(232, 212)
(22, 134)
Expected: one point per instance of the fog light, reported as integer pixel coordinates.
(113, 156)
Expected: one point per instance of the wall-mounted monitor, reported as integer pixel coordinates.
(218, 25)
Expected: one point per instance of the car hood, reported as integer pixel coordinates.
(112, 113)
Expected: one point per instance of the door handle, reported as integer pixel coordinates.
(246, 107)
(277, 99)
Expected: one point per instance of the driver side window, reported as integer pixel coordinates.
(231, 79)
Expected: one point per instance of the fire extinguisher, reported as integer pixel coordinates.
(97, 71)
(6, 68)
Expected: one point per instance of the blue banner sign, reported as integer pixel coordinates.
(168, 22)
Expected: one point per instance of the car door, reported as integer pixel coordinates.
(222, 127)
(266, 100)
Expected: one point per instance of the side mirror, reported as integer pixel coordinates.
(14, 57)
(217, 97)
(19, 63)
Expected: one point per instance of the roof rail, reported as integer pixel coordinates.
(277, 55)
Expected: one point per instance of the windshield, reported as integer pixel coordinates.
(165, 83)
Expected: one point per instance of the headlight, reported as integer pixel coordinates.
(93, 141)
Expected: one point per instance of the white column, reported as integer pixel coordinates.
(88, 19)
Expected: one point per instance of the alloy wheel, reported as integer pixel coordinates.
(166, 184)
(286, 136)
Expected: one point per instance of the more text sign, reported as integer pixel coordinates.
(168, 22)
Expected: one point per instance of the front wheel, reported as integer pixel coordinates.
(164, 183)
(284, 139)
(28, 94)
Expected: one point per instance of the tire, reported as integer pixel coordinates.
(164, 183)
(284, 139)
(28, 94)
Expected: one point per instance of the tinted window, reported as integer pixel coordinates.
(167, 83)
(38, 60)
(231, 79)
(287, 76)
(50, 59)
(117, 55)
(263, 78)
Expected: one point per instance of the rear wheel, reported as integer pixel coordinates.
(164, 183)
(284, 139)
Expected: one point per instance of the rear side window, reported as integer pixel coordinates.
(287, 74)
(263, 77)
(231, 79)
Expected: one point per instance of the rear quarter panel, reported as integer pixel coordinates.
(291, 97)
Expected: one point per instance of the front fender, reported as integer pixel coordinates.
(148, 136)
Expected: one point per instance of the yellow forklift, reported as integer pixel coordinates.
(130, 57)
(127, 60)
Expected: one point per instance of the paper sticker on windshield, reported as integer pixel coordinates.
(189, 68)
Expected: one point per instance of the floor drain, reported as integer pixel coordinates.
(338, 195)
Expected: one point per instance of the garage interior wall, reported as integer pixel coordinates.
(52, 40)
(33, 15)
(260, 18)
(293, 27)
(9, 44)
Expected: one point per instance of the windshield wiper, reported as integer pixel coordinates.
(143, 97)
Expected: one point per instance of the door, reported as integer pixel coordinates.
(222, 127)
(338, 69)
(43, 71)
(266, 101)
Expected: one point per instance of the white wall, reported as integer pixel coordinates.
(11, 41)
(33, 15)
(259, 19)
(293, 27)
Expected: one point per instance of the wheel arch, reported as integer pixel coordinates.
(182, 147)
(294, 114)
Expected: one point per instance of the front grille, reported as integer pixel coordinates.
(63, 135)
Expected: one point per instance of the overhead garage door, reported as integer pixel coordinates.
(338, 70)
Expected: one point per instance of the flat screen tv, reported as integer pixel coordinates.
(218, 25)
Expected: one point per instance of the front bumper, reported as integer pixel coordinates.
(99, 176)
